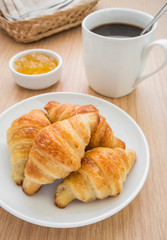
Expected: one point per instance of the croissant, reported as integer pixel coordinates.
(57, 150)
(102, 137)
(102, 174)
(20, 137)
(58, 112)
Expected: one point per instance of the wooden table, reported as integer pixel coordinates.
(146, 216)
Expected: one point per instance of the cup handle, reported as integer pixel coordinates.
(162, 43)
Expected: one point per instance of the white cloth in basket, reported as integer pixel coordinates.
(26, 9)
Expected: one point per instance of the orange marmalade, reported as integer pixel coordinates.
(35, 63)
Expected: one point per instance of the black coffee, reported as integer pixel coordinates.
(117, 30)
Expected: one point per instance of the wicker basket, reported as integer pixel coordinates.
(37, 28)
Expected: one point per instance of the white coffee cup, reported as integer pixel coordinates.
(114, 65)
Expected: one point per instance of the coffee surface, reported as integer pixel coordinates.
(119, 30)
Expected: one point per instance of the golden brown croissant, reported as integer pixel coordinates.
(102, 137)
(102, 174)
(20, 137)
(57, 150)
(58, 112)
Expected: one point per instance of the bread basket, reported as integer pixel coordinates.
(33, 29)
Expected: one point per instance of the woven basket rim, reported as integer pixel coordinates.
(42, 17)
(34, 29)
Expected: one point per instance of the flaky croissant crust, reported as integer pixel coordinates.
(102, 174)
(58, 112)
(103, 136)
(20, 137)
(57, 150)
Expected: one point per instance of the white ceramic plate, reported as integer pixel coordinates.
(40, 209)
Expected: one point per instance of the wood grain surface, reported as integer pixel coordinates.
(146, 216)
